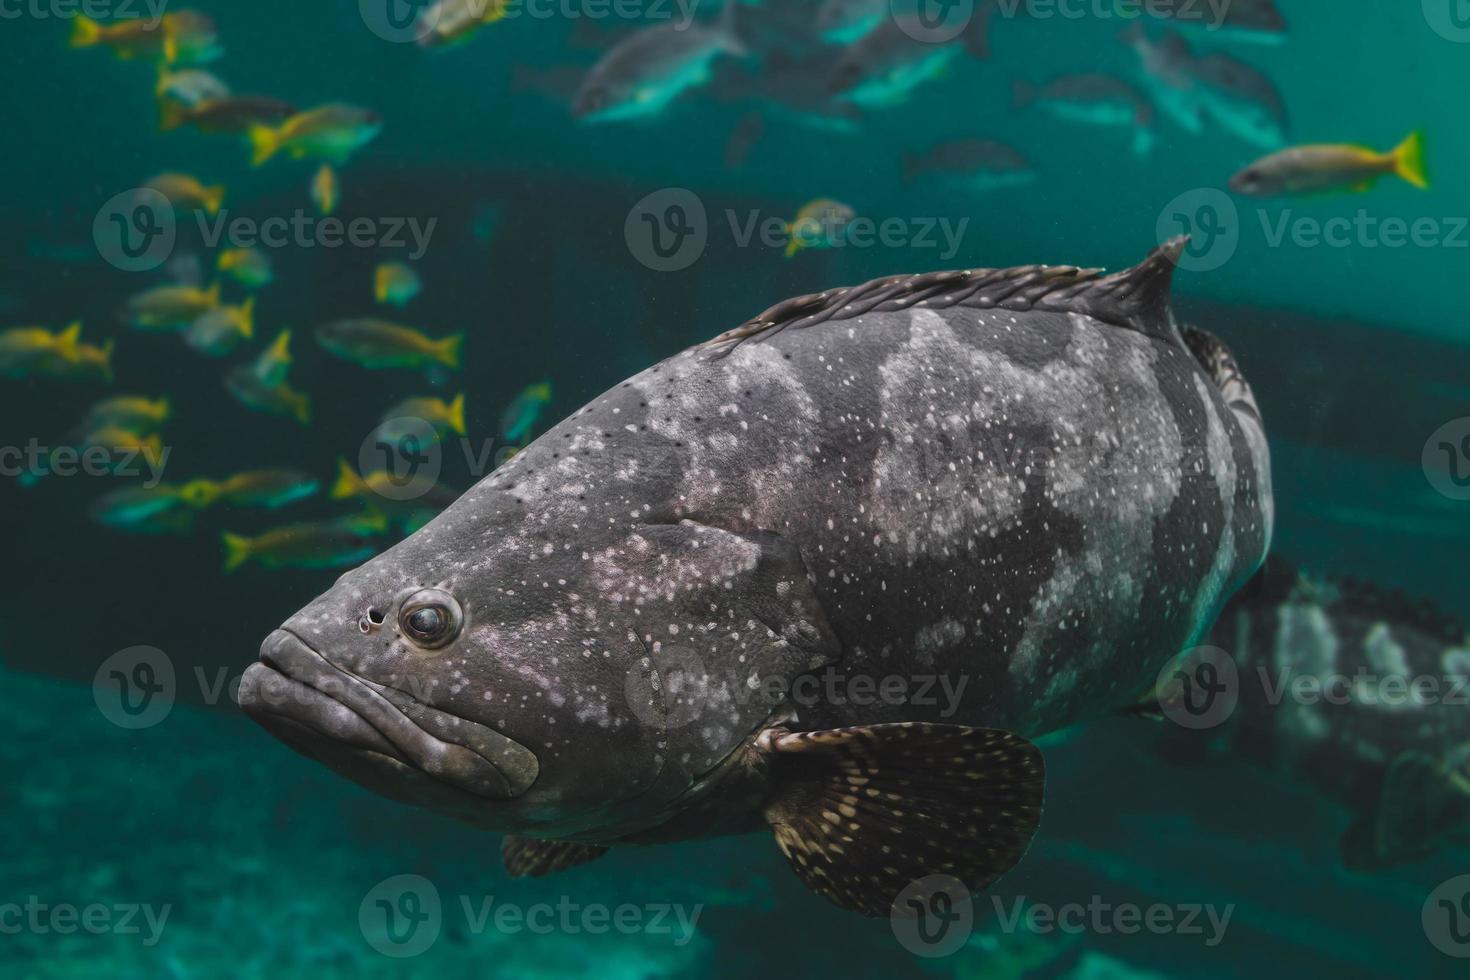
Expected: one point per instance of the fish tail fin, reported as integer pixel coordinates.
(456, 414)
(247, 318)
(264, 143)
(281, 348)
(1408, 160)
(213, 198)
(108, 347)
(349, 484)
(67, 340)
(171, 116)
(163, 79)
(85, 32)
(450, 350)
(792, 246)
(301, 408)
(163, 409)
(237, 550)
(212, 293)
(1023, 93)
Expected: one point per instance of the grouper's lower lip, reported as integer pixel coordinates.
(373, 734)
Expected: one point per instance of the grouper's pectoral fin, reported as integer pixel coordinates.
(863, 813)
(526, 857)
(1422, 804)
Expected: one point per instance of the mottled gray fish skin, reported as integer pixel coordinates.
(1366, 651)
(1044, 504)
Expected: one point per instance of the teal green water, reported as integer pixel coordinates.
(268, 865)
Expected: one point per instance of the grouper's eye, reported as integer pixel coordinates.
(430, 618)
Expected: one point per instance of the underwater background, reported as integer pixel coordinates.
(267, 864)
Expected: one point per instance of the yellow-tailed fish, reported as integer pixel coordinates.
(521, 415)
(86, 362)
(450, 22)
(383, 492)
(152, 38)
(220, 330)
(270, 489)
(324, 189)
(128, 412)
(395, 283)
(160, 509)
(187, 193)
(443, 416)
(170, 307)
(261, 385)
(819, 224)
(332, 132)
(1331, 167)
(373, 343)
(189, 86)
(122, 443)
(23, 349)
(317, 544)
(248, 266)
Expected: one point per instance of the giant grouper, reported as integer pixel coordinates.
(1030, 484)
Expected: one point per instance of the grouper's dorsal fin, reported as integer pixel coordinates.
(1136, 298)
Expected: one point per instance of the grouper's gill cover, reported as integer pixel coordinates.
(1027, 482)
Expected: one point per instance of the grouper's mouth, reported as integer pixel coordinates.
(375, 735)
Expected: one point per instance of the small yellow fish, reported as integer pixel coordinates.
(818, 224)
(128, 412)
(270, 489)
(324, 189)
(445, 417)
(332, 132)
(122, 442)
(170, 307)
(187, 193)
(127, 39)
(218, 331)
(383, 493)
(190, 86)
(395, 283)
(317, 544)
(37, 352)
(262, 385)
(374, 343)
(453, 22)
(275, 361)
(1329, 167)
(247, 266)
(164, 508)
